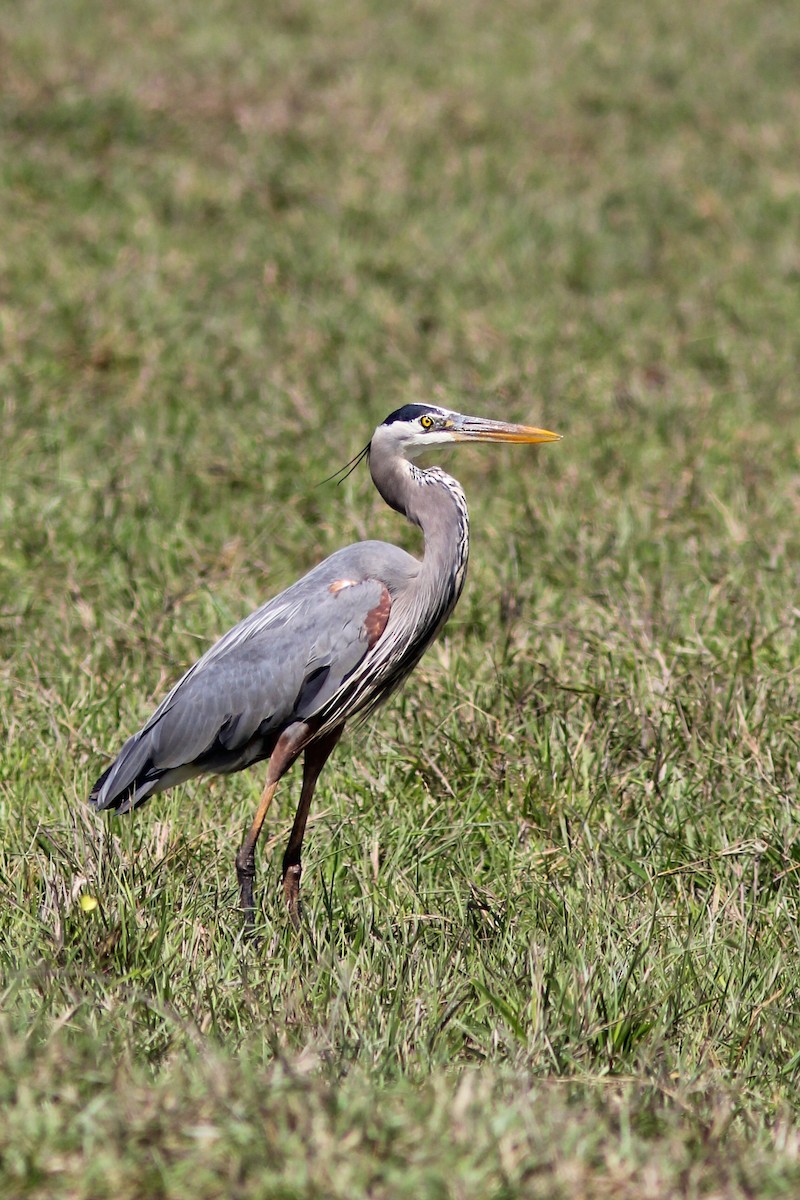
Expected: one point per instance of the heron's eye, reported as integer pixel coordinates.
(426, 422)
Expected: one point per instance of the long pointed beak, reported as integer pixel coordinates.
(478, 429)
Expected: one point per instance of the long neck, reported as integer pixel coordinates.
(436, 503)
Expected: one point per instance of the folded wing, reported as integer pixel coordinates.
(279, 665)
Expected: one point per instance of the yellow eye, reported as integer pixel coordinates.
(426, 422)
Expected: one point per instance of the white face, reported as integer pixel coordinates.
(419, 432)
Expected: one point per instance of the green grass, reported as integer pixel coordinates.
(550, 944)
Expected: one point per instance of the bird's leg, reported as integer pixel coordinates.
(246, 858)
(315, 758)
(287, 748)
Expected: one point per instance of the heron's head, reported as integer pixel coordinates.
(415, 428)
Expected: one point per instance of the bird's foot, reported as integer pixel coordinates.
(291, 890)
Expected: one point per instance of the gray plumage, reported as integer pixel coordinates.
(284, 662)
(331, 647)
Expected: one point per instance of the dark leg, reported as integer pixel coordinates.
(287, 748)
(246, 858)
(316, 756)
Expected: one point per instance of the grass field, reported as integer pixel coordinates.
(551, 892)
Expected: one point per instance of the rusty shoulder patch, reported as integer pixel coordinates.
(339, 585)
(376, 618)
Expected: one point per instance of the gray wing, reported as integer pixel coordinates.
(280, 664)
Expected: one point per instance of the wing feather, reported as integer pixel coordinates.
(280, 664)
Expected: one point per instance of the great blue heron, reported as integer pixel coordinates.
(335, 644)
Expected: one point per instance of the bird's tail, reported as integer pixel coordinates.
(131, 779)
